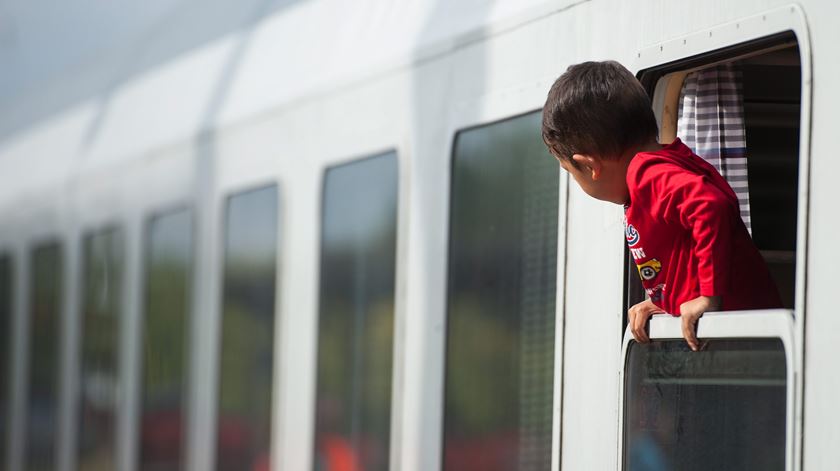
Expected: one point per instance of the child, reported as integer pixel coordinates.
(682, 221)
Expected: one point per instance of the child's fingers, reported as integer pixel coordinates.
(639, 322)
(688, 332)
(631, 317)
(637, 319)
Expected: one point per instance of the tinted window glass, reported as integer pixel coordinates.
(43, 356)
(5, 348)
(98, 393)
(501, 299)
(356, 323)
(247, 344)
(722, 408)
(165, 342)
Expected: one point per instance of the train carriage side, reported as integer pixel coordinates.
(390, 272)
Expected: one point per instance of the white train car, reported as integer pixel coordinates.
(312, 234)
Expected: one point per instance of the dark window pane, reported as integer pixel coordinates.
(722, 408)
(356, 318)
(165, 342)
(5, 348)
(102, 296)
(501, 299)
(247, 344)
(45, 317)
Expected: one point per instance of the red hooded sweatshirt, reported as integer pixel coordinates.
(685, 233)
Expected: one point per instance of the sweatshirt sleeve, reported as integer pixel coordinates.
(699, 206)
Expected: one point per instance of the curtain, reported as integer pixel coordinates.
(711, 123)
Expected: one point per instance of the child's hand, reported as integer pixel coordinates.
(690, 312)
(638, 316)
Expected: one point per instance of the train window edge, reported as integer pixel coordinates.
(464, 427)
(782, 50)
(791, 258)
(357, 279)
(735, 357)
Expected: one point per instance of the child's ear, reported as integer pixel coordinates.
(589, 164)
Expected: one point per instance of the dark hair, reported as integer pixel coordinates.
(597, 108)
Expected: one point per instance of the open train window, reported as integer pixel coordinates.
(732, 404)
(739, 108)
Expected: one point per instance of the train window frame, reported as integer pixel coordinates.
(145, 241)
(62, 289)
(230, 198)
(734, 40)
(759, 324)
(495, 111)
(118, 234)
(398, 154)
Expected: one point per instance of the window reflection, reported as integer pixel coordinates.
(722, 408)
(44, 324)
(99, 389)
(165, 342)
(501, 299)
(247, 343)
(356, 315)
(5, 347)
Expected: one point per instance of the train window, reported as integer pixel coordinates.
(730, 405)
(723, 105)
(98, 395)
(169, 255)
(5, 348)
(45, 316)
(722, 408)
(356, 315)
(501, 299)
(247, 337)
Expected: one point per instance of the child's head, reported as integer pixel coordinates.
(597, 114)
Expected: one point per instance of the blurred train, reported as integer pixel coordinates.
(323, 235)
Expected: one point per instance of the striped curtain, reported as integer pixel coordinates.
(711, 123)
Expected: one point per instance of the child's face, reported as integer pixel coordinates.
(603, 179)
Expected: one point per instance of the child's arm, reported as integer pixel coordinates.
(709, 213)
(690, 312)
